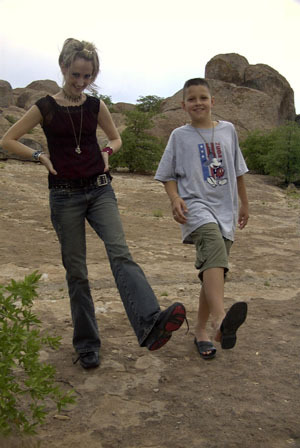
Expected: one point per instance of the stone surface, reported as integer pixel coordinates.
(264, 78)
(170, 398)
(123, 107)
(250, 96)
(28, 97)
(6, 94)
(44, 85)
(227, 67)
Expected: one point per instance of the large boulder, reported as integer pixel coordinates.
(248, 109)
(266, 79)
(250, 96)
(45, 85)
(235, 69)
(123, 107)
(27, 96)
(227, 67)
(6, 94)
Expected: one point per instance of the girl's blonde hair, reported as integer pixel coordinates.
(73, 49)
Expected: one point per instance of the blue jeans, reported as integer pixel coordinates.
(69, 210)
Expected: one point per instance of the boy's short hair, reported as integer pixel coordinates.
(195, 82)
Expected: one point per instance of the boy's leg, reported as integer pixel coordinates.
(211, 260)
(213, 285)
(211, 301)
(202, 318)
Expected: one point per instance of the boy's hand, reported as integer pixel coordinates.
(243, 216)
(179, 210)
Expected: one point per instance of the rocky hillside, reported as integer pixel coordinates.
(250, 96)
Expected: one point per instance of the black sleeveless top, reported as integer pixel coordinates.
(59, 132)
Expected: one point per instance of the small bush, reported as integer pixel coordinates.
(276, 152)
(141, 151)
(158, 213)
(150, 103)
(25, 382)
(255, 147)
(11, 119)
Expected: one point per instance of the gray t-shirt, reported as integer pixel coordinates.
(205, 173)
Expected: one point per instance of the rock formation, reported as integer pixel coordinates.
(34, 91)
(250, 96)
(6, 94)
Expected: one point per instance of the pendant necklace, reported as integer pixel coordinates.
(211, 146)
(77, 149)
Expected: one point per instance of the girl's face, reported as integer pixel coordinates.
(78, 76)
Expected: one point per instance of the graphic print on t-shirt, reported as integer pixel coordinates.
(211, 162)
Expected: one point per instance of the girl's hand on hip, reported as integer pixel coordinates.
(105, 160)
(45, 160)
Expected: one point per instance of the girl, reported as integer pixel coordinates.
(80, 189)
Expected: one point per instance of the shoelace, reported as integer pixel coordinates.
(81, 355)
(187, 323)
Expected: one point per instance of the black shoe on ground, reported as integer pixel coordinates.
(88, 359)
(169, 320)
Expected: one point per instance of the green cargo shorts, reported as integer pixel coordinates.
(212, 249)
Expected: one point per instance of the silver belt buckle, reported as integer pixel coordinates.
(101, 180)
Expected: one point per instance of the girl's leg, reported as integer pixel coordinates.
(138, 297)
(68, 210)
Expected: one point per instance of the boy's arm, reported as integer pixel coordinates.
(244, 209)
(178, 205)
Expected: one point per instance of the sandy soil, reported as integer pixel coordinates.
(247, 397)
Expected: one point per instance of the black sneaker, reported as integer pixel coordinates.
(169, 320)
(88, 359)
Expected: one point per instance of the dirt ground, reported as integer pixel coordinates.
(244, 398)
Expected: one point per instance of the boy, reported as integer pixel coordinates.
(202, 170)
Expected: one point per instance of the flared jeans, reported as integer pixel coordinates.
(70, 208)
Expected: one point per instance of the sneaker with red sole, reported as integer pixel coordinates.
(169, 320)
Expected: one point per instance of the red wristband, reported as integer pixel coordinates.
(108, 149)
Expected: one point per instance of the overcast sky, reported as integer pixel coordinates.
(148, 47)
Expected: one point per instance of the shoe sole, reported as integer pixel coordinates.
(234, 318)
(89, 366)
(171, 322)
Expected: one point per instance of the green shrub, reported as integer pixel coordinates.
(11, 119)
(25, 382)
(283, 160)
(149, 103)
(276, 153)
(255, 147)
(141, 151)
(158, 213)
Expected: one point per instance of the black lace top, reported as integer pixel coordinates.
(59, 132)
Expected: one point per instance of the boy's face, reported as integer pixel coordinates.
(198, 103)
